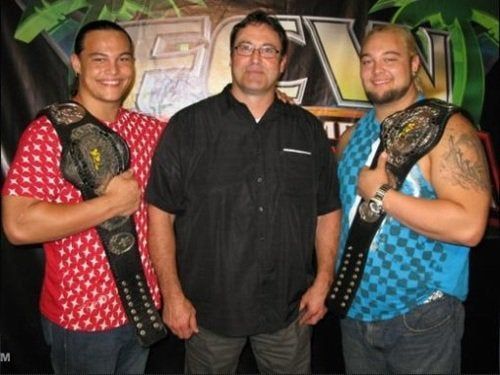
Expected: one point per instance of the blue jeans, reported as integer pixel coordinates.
(106, 352)
(426, 340)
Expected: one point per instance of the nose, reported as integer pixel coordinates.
(255, 54)
(113, 67)
(377, 66)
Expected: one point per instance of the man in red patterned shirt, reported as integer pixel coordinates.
(83, 317)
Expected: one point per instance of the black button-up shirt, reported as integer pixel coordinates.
(246, 196)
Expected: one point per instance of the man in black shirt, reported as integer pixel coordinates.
(251, 185)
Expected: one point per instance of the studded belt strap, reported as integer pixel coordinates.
(406, 136)
(91, 155)
(354, 257)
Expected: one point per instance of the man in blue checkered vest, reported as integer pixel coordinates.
(412, 208)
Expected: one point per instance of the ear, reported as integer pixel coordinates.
(283, 63)
(75, 63)
(415, 65)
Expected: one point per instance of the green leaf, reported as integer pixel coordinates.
(468, 80)
(46, 17)
(488, 21)
(125, 12)
(384, 4)
(198, 2)
(174, 7)
(419, 12)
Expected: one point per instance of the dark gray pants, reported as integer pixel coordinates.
(286, 351)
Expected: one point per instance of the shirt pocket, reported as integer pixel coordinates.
(297, 171)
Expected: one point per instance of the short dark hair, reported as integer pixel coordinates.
(80, 39)
(260, 17)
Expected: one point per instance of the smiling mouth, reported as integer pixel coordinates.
(111, 82)
(381, 82)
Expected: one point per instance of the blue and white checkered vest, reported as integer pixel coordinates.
(404, 268)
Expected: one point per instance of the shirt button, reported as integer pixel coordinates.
(260, 179)
(261, 238)
(261, 209)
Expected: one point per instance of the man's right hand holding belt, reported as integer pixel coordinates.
(122, 194)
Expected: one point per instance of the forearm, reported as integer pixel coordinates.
(162, 248)
(31, 221)
(440, 219)
(327, 236)
(178, 312)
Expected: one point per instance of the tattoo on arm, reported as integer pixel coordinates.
(464, 162)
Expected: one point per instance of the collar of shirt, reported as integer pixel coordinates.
(241, 109)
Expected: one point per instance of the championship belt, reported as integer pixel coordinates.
(92, 154)
(406, 136)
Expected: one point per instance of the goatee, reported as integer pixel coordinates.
(386, 97)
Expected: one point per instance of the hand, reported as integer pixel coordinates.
(284, 97)
(124, 193)
(180, 316)
(312, 305)
(370, 180)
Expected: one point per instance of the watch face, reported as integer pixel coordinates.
(375, 207)
(367, 213)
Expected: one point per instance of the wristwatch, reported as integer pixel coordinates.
(376, 202)
(371, 210)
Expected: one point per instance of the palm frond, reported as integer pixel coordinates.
(384, 4)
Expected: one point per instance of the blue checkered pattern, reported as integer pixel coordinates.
(403, 267)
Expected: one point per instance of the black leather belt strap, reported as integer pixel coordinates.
(354, 257)
(92, 154)
(406, 136)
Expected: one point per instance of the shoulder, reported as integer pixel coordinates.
(458, 129)
(459, 122)
(459, 155)
(204, 106)
(135, 124)
(305, 122)
(300, 112)
(344, 139)
(197, 113)
(39, 130)
(143, 118)
(459, 142)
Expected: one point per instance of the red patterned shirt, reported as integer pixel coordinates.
(78, 290)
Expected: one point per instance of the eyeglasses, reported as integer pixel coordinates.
(246, 49)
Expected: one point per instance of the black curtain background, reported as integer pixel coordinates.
(33, 76)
